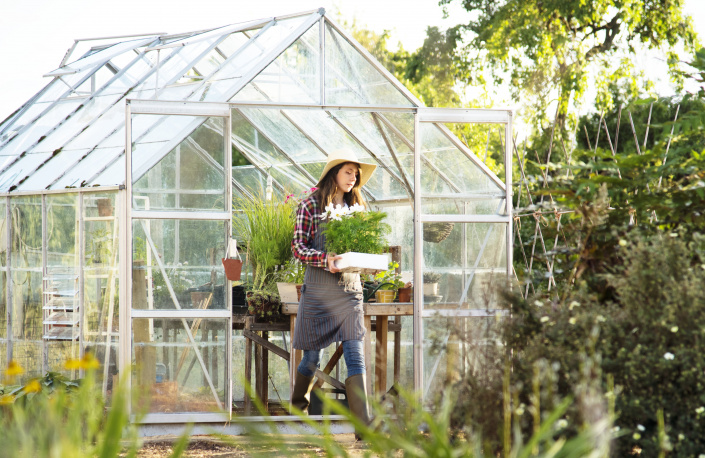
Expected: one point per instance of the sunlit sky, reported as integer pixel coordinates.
(35, 34)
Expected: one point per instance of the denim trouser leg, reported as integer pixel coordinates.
(354, 353)
(310, 362)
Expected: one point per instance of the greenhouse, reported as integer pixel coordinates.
(121, 178)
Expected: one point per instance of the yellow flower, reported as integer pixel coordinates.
(6, 400)
(14, 369)
(87, 362)
(33, 387)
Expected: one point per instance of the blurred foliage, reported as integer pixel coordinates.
(553, 50)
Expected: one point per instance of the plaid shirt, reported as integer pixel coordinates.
(308, 216)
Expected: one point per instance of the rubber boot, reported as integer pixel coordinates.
(356, 391)
(301, 397)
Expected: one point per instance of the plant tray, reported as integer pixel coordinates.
(364, 263)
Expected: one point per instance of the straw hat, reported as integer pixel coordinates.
(343, 156)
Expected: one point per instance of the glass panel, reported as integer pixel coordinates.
(27, 232)
(113, 174)
(51, 169)
(190, 176)
(222, 85)
(352, 80)
(93, 163)
(43, 124)
(469, 262)
(170, 70)
(101, 283)
(257, 147)
(294, 76)
(287, 137)
(445, 157)
(180, 375)
(100, 128)
(62, 230)
(76, 123)
(455, 346)
(190, 252)
(232, 43)
(21, 169)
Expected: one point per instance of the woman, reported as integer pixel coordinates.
(327, 312)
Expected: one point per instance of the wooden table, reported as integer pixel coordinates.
(380, 310)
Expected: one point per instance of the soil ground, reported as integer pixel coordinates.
(244, 446)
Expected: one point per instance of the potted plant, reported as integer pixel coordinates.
(430, 283)
(358, 236)
(289, 279)
(267, 226)
(389, 282)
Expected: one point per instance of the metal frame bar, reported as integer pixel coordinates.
(44, 346)
(182, 313)
(418, 264)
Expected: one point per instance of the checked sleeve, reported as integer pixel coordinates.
(304, 232)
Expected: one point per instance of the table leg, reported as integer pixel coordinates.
(381, 355)
(248, 368)
(368, 352)
(292, 355)
(264, 396)
(397, 350)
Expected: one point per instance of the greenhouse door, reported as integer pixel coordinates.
(471, 261)
(178, 318)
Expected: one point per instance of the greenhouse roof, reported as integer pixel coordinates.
(72, 133)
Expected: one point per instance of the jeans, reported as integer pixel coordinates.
(352, 351)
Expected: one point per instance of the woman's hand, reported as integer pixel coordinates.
(331, 263)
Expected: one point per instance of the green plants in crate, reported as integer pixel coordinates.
(353, 229)
(265, 306)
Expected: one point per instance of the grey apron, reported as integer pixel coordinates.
(326, 313)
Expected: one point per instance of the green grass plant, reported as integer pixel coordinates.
(267, 229)
(56, 417)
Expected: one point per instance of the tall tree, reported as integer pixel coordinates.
(550, 49)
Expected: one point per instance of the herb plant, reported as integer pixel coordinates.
(353, 229)
(391, 277)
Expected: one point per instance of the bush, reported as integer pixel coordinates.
(648, 339)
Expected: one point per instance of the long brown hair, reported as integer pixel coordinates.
(327, 188)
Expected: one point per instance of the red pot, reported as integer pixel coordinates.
(233, 268)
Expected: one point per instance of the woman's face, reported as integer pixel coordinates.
(347, 176)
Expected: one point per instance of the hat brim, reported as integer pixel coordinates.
(366, 170)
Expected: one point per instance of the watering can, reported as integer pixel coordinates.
(369, 290)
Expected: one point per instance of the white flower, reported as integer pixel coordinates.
(674, 329)
(544, 319)
(574, 304)
(622, 242)
(600, 318)
(616, 429)
(538, 303)
(572, 320)
(668, 356)
(673, 234)
(357, 208)
(562, 423)
(681, 437)
(700, 410)
(640, 428)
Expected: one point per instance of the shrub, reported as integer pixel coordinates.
(355, 230)
(648, 339)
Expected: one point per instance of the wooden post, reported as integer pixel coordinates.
(248, 365)
(368, 352)
(381, 356)
(264, 395)
(397, 349)
(145, 356)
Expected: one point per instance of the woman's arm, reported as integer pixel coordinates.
(302, 243)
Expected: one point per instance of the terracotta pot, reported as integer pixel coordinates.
(105, 207)
(385, 295)
(405, 294)
(233, 268)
